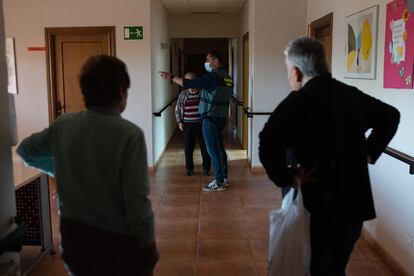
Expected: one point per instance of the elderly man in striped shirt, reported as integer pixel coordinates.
(189, 121)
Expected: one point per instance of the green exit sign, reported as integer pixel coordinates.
(133, 33)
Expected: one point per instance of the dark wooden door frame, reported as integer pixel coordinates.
(50, 34)
(245, 144)
(321, 22)
(326, 20)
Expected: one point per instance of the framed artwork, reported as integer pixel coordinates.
(399, 46)
(361, 44)
(11, 66)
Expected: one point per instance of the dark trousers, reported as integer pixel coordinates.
(90, 251)
(192, 133)
(332, 241)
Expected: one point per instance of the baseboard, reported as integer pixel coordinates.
(257, 169)
(153, 169)
(391, 261)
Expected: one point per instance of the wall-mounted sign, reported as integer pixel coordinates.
(133, 33)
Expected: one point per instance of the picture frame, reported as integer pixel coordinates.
(11, 66)
(361, 44)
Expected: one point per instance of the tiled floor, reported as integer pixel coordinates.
(215, 234)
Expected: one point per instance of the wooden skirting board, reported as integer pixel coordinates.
(391, 261)
(153, 169)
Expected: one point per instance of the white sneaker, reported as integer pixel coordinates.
(214, 186)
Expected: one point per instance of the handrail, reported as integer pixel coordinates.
(158, 114)
(236, 100)
(390, 151)
(402, 157)
(250, 113)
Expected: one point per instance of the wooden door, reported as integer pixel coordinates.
(321, 29)
(246, 75)
(68, 49)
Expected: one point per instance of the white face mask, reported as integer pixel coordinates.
(208, 67)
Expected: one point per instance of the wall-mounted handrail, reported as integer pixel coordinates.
(402, 157)
(250, 113)
(158, 114)
(236, 100)
(390, 151)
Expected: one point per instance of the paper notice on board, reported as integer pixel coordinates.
(398, 41)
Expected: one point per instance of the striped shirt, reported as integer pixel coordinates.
(191, 114)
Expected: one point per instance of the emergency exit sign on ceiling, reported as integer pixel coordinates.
(133, 33)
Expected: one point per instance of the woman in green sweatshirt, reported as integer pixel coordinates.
(100, 163)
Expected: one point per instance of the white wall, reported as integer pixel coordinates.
(26, 20)
(393, 187)
(203, 25)
(162, 92)
(275, 23)
(7, 200)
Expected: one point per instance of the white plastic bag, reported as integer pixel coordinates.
(289, 241)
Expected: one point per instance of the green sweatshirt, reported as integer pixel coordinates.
(100, 163)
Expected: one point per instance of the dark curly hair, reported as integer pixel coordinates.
(103, 79)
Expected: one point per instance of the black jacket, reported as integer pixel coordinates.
(324, 124)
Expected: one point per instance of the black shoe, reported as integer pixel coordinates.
(189, 173)
(206, 173)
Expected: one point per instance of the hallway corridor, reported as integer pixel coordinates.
(217, 234)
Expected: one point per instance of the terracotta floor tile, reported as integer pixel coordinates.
(49, 266)
(175, 269)
(222, 229)
(257, 229)
(270, 200)
(261, 268)
(209, 212)
(223, 200)
(366, 268)
(256, 212)
(171, 213)
(176, 229)
(177, 250)
(180, 201)
(226, 269)
(258, 191)
(183, 190)
(260, 249)
(157, 189)
(224, 250)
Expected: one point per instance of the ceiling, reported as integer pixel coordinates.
(203, 6)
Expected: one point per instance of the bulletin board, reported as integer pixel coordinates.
(399, 46)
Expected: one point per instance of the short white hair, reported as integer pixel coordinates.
(307, 54)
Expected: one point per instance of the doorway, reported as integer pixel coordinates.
(67, 50)
(321, 29)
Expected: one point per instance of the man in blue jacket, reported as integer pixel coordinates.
(217, 88)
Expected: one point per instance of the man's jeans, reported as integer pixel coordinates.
(213, 132)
